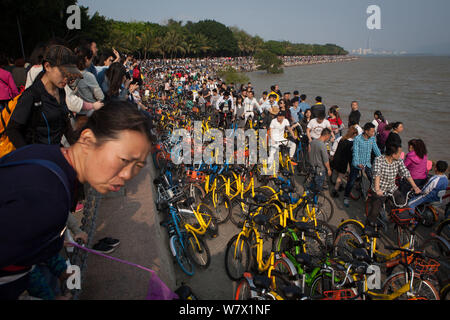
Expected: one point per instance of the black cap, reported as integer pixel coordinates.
(63, 57)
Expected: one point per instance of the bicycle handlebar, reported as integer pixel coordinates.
(391, 195)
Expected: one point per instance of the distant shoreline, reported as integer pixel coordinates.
(314, 60)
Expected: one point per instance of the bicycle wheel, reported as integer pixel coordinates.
(243, 291)
(237, 257)
(241, 210)
(323, 282)
(281, 266)
(347, 239)
(206, 213)
(198, 251)
(443, 229)
(421, 288)
(445, 292)
(324, 208)
(222, 208)
(325, 233)
(194, 190)
(313, 247)
(182, 258)
(438, 250)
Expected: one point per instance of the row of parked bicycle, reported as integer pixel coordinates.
(286, 248)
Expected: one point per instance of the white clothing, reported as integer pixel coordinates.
(316, 128)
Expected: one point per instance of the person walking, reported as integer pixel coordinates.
(363, 146)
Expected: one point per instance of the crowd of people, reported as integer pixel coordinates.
(84, 115)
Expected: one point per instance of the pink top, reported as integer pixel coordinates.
(416, 166)
(8, 89)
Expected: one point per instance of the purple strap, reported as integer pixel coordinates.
(157, 289)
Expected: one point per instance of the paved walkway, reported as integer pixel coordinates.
(133, 219)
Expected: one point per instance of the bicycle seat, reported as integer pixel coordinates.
(262, 282)
(293, 293)
(260, 198)
(261, 219)
(302, 226)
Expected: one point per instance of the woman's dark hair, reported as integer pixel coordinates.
(82, 54)
(391, 149)
(115, 74)
(393, 126)
(103, 56)
(333, 111)
(114, 117)
(419, 147)
(379, 115)
(307, 111)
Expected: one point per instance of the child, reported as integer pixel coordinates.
(430, 191)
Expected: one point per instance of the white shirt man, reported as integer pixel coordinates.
(268, 104)
(228, 104)
(250, 104)
(277, 128)
(315, 127)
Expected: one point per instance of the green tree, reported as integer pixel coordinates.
(231, 75)
(269, 61)
(217, 33)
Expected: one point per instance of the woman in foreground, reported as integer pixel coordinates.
(36, 198)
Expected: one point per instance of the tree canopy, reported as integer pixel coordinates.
(41, 20)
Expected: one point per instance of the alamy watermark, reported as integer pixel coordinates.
(230, 146)
(374, 20)
(74, 20)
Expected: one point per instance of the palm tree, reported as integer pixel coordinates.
(173, 43)
(200, 43)
(148, 42)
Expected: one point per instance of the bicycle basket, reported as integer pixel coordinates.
(172, 194)
(425, 266)
(343, 294)
(401, 217)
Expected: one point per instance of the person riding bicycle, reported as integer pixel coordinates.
(385, 170)
(430, 191)
(250, 105)
(225, 107)
(276, 135)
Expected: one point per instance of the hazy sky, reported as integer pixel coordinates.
(411, 25)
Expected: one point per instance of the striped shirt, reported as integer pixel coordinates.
(362, 150)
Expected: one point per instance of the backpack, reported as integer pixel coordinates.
(6, 145)
(56, 169)
(136, 73)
